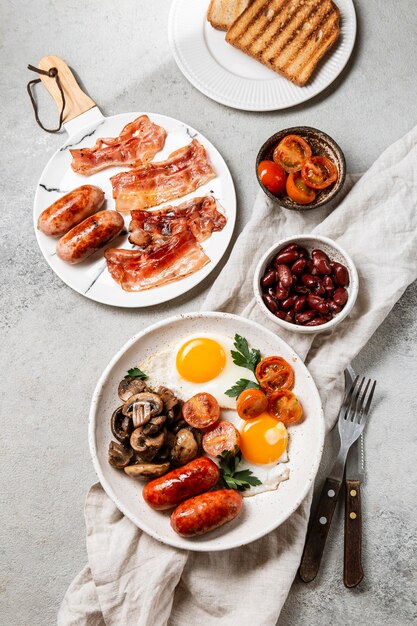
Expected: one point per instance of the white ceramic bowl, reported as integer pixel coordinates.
(335, 253)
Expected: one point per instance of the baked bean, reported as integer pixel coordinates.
(284, 275)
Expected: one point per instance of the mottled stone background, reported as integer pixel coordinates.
(55, 343)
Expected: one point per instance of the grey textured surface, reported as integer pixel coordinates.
(56, 343)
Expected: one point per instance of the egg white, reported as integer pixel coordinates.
(161, 370)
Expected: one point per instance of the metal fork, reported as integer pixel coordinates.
(353, 416)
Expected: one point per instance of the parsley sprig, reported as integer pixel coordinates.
(229, 462)
(135, 372)
(244, 357)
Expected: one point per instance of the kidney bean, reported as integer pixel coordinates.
(298, 266)
(319, 288)
(291, 246)
(270, 303)
(288, 303)
(289, 317)
(334, 308)
(328, 284)
(341, 275)
(302, 252)
(302, 291)
(309, 265)
(317, 304)
(340, 296)
(321, 261)
(280, 314)
(318, 321)
(306, 316)
(300, 304)
(308, 280)
(269, 279)
(284, 275)
(282, 293)
(286, 257)
(314, 271)
(318, 255)
(294, 279)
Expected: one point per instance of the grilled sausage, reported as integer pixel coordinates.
(86, 238)
(206, 512)
(70, 210)
(196, 477)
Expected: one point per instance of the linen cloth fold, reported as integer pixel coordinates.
(132, 579)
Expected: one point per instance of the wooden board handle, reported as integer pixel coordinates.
(352, 570)
(319, 529)
(76, 101)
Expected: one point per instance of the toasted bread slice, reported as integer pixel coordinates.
(222, 13)
(289, 36)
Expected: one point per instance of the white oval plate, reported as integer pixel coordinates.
(233, 78)
(91, 277)
(261, 513)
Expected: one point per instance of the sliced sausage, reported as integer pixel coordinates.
(70, 210)
(196, 477)
(206, 512)
(86, 238)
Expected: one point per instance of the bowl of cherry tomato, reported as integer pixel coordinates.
(306, 283)
(301, 168)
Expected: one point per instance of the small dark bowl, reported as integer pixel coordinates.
(321, 145)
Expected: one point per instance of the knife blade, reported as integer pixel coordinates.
(352, 566)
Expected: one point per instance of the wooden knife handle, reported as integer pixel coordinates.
(319, 529)
(76, 101)
(353, 571)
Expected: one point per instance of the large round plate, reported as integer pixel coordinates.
(261, 513)
(91, 277)
(231, 77)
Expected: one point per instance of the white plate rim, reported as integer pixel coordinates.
(181, 288)
(200, 547)
(240, 105)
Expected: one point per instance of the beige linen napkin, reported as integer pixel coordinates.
(131, 579)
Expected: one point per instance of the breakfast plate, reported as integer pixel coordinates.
(91, 277)
(230, 77)
(262, 512)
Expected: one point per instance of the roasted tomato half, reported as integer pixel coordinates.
(319, 172)
(272, 176)
(251, 403)
(291, 152)
(298, 190)
(224, 436)
(201, 411)
(285, 407)
(274, 373)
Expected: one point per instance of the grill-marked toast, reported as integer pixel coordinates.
(289, 36)
(222, 13)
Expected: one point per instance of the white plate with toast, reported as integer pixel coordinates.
(226, 74)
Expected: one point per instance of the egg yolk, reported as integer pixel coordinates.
(263, 439)
(200, 360)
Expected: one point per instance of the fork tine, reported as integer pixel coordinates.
(348, 399)
(359, 408)
(365, 411)
(353, 408)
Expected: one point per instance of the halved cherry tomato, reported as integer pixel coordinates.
(285, 407)
(298, 190)
(251, 403)
(201, 411)
(224, 436)
(274, 373)
(291, 152)
(272, 176)
(319, 172)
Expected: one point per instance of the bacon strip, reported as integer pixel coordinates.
(137, 270)
(184, 171)
(198, 215)
(137, 144)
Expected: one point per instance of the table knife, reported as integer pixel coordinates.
(352, 569)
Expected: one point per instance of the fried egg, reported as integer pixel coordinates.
(197, 363)
(263, 443)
